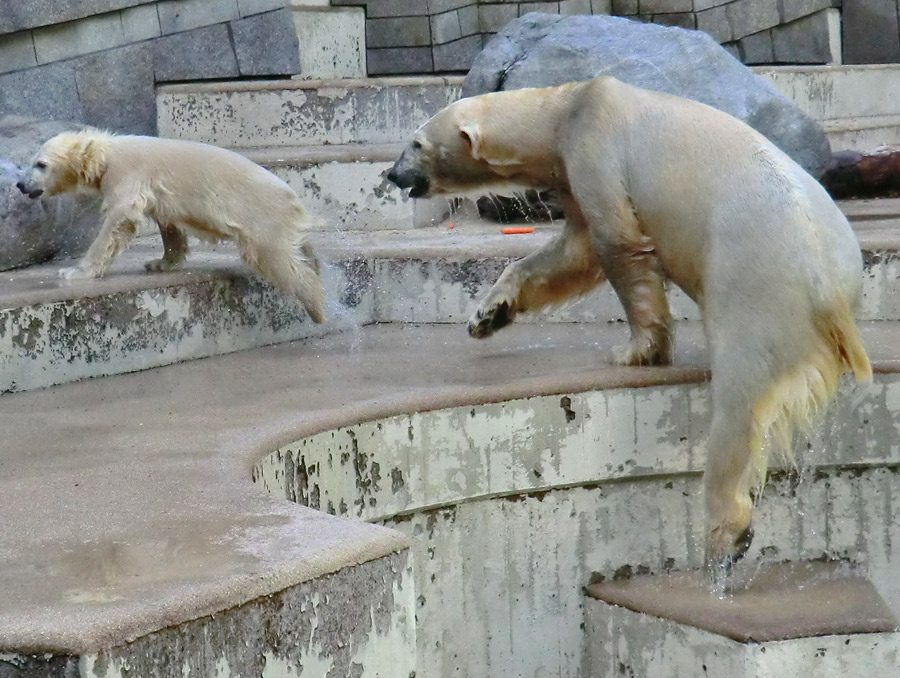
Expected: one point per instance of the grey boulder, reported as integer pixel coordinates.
(542, 50)
(35, 231)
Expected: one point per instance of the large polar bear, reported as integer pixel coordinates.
(657, 186)
(185, 188)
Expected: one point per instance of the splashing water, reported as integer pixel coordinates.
(340, 318)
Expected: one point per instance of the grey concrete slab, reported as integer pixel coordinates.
(778, 601)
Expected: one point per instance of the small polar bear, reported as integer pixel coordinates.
(657, 187)
(185, 188)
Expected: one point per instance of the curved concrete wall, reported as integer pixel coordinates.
(511, 506)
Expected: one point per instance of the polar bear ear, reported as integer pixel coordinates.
(472, 134)
(482, 150)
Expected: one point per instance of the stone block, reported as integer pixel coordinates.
(47, 92)
(140, 23)
(468, 20)
(445, 27)
(183, 15)
(332, 43)
(458, 55)
(266, 44)
(715, 22)
(203, 53)
(870, 32)
(405, 32)
(665, 6)
(680, 19)
(752, 16)
(377, 9)
(599, 7)
(399, 60)
(250, 7)
(757, 48)
(74, 38)
(491, 18)
(796, 9)
(18, 15)
(438, 6)
(624, 7)
(17, 52)
(814, 39)
(116, 89)
(700, 5)
(546, 7)
(575, 7)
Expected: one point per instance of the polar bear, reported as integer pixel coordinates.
(186, 188)
(653, 187)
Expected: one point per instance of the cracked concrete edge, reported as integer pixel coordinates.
(358, 618)
(341, 84)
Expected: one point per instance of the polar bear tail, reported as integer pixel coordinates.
(805, 389)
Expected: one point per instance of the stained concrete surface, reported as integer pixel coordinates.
(128, 504)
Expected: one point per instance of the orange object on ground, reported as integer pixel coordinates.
(509, 230)
(450, 225)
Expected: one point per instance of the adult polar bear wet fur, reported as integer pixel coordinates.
(657, 186)
(185, 188)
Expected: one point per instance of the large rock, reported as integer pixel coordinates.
(33, 231)
(540, 50)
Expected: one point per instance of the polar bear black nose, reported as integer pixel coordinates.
(21, 186)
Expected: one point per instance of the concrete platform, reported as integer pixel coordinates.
(800, 619)
(128, 503)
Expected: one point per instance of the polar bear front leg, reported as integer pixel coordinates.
(116, 232)
(175, 247)
(564, 267)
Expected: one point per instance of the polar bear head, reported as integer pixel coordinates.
(66, 162)
(494, 141)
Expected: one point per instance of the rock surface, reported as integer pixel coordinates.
(541, 50)
(33, 231)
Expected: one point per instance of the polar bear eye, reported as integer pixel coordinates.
(40, 164)
(416, 144)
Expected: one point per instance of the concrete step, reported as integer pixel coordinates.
(255, 114)
(859, 106)
(837, 92)
(133, 542)
(344, 186)
(54, 331)
(332, 40)
(863, 133)
(804, 619)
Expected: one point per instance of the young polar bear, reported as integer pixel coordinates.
(657, 186)
(186, 188)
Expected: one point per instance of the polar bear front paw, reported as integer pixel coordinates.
(74, 273)
(489, 319)
(161, 265)
(644, 349)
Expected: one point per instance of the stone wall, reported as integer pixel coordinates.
(97, 61)
(415, 36)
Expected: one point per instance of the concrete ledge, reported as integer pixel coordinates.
(53, 331)
(778, 601)
(634, 644)
(301, 113)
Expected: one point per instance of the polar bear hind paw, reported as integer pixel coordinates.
(161, 265)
